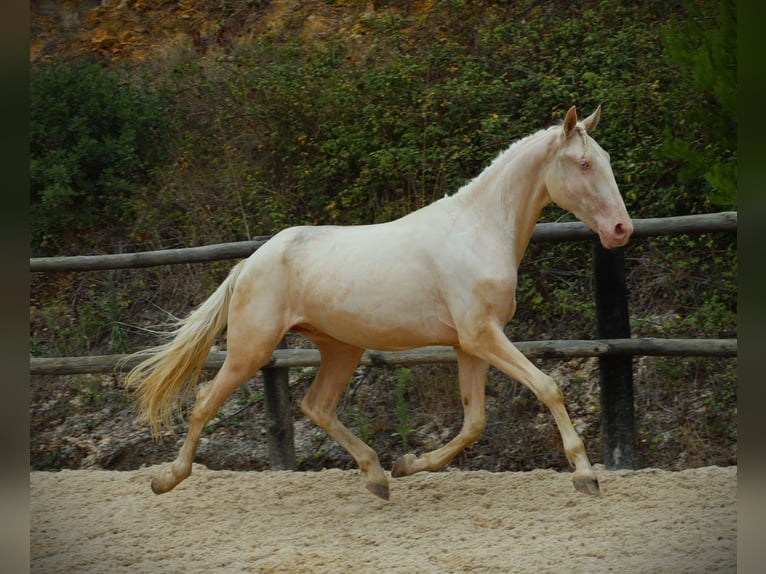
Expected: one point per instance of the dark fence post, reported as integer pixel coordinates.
(280, 418)
(617, 410)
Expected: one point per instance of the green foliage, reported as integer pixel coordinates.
(403, 422)
(706, 306)
(704, 46)
(363, 427)
(283, 131)
(364, 128)
(94, 137)
(346, 134)
(61, 331)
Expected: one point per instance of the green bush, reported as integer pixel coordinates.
(336, 134)
(95, 137)
(704, 47)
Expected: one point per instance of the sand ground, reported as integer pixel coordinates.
(647, 521)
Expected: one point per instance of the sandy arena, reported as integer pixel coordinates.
(647, 521)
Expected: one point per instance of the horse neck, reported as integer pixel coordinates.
(509, 195)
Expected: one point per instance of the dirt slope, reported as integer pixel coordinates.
(135, 30)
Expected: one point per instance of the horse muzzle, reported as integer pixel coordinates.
(617, 234)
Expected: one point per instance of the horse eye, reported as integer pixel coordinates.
(584, 164)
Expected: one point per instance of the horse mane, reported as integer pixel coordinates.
(500, 159)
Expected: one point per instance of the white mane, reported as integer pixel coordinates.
(500, 160)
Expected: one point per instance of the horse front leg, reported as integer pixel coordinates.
(472, 374)
(495, 347)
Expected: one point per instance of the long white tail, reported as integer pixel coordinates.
(173, 367)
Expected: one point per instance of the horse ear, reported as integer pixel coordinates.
(570, 121)
(591, 121)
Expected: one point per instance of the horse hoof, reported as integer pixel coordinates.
(587, 485)
(402, 466)
(156, 488)
(379, 490)
(160, 486)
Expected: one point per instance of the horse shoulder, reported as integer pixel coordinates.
(476, 287)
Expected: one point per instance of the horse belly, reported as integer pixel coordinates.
(378, 317)
(369, 286)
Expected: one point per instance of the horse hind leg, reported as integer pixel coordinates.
(320, 405)
(472, 374)
(208, 401)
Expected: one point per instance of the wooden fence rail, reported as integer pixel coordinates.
(544, 232)
(291, 358)
(614, 347)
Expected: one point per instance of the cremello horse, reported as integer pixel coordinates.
(443, 275)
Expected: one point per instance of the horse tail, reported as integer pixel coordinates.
(173, 367)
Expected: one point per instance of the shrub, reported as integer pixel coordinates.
(704, 47)
(95, 137)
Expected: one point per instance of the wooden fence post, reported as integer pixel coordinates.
(278, 405)
(617, 409)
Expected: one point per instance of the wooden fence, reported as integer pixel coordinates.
(614, 346)
(544, 232)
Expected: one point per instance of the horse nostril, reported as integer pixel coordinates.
(622, 230)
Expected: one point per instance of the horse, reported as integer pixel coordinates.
(445, 274)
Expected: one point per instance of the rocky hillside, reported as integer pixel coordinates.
(137, 30)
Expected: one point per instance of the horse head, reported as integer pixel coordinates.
(580, 180)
